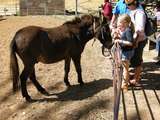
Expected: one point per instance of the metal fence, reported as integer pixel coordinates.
(9, 7)
(12, 7)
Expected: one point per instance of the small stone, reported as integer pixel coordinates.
(23, 113)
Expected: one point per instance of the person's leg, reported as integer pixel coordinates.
(158, 50)
(137, 61)
(125, 75)
(137, 75)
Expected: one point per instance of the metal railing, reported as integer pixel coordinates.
(117, 74)
(9, 9)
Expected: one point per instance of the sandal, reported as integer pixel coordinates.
(134, 82)
(124, 86)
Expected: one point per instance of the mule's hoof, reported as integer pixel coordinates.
(68, 84)
(44, 92)
(28, 99)
(81, 83)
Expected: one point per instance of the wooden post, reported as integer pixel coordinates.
(76, 11)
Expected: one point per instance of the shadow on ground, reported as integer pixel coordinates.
(150, 81)
(77, 92)
(151, 76)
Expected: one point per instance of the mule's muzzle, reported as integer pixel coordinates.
(105, 51)
(108, 45)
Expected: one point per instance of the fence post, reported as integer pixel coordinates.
(27, 6)
(45, 9)
(76, 11)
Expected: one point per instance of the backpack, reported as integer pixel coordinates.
(151, 25)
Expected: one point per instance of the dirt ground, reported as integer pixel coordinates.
(94, 101)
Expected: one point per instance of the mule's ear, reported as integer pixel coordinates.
(86, 20)
(77, 19)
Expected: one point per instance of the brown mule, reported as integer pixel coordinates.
(49, 45)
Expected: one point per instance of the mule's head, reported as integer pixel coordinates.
(103, 34)
(92, 27)
(95, 28)
(89, 23)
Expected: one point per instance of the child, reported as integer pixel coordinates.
(107, 11)
(126, 29)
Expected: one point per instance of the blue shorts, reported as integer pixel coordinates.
(127, 55)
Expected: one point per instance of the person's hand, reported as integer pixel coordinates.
(115, 34)
(112, 26)
(117, 41)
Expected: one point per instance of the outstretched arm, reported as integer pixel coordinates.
(123, 42)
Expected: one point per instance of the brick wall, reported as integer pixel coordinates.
(42, 7)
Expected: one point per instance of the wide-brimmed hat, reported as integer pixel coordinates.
(129, 1)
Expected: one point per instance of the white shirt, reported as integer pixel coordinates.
(157, 14)
(138, 18)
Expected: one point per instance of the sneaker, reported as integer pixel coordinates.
(156, 58)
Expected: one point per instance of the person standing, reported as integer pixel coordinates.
(138, 18)
(107, 11)
(125, 30)
(119, 9)
(130, 7)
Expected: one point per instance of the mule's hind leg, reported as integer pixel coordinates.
(67, 69)
(77, 64)
(24, 76)
(36, 83)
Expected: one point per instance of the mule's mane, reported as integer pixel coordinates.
(85, 19)
(76, 20)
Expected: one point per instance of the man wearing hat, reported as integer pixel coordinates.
(138, 18)
(119, 9)
(136, 12)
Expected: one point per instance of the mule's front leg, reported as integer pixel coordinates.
(67, 69)
(77, 63)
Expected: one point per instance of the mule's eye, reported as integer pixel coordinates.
(88, 33)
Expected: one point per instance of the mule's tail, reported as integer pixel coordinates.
(14, 69)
